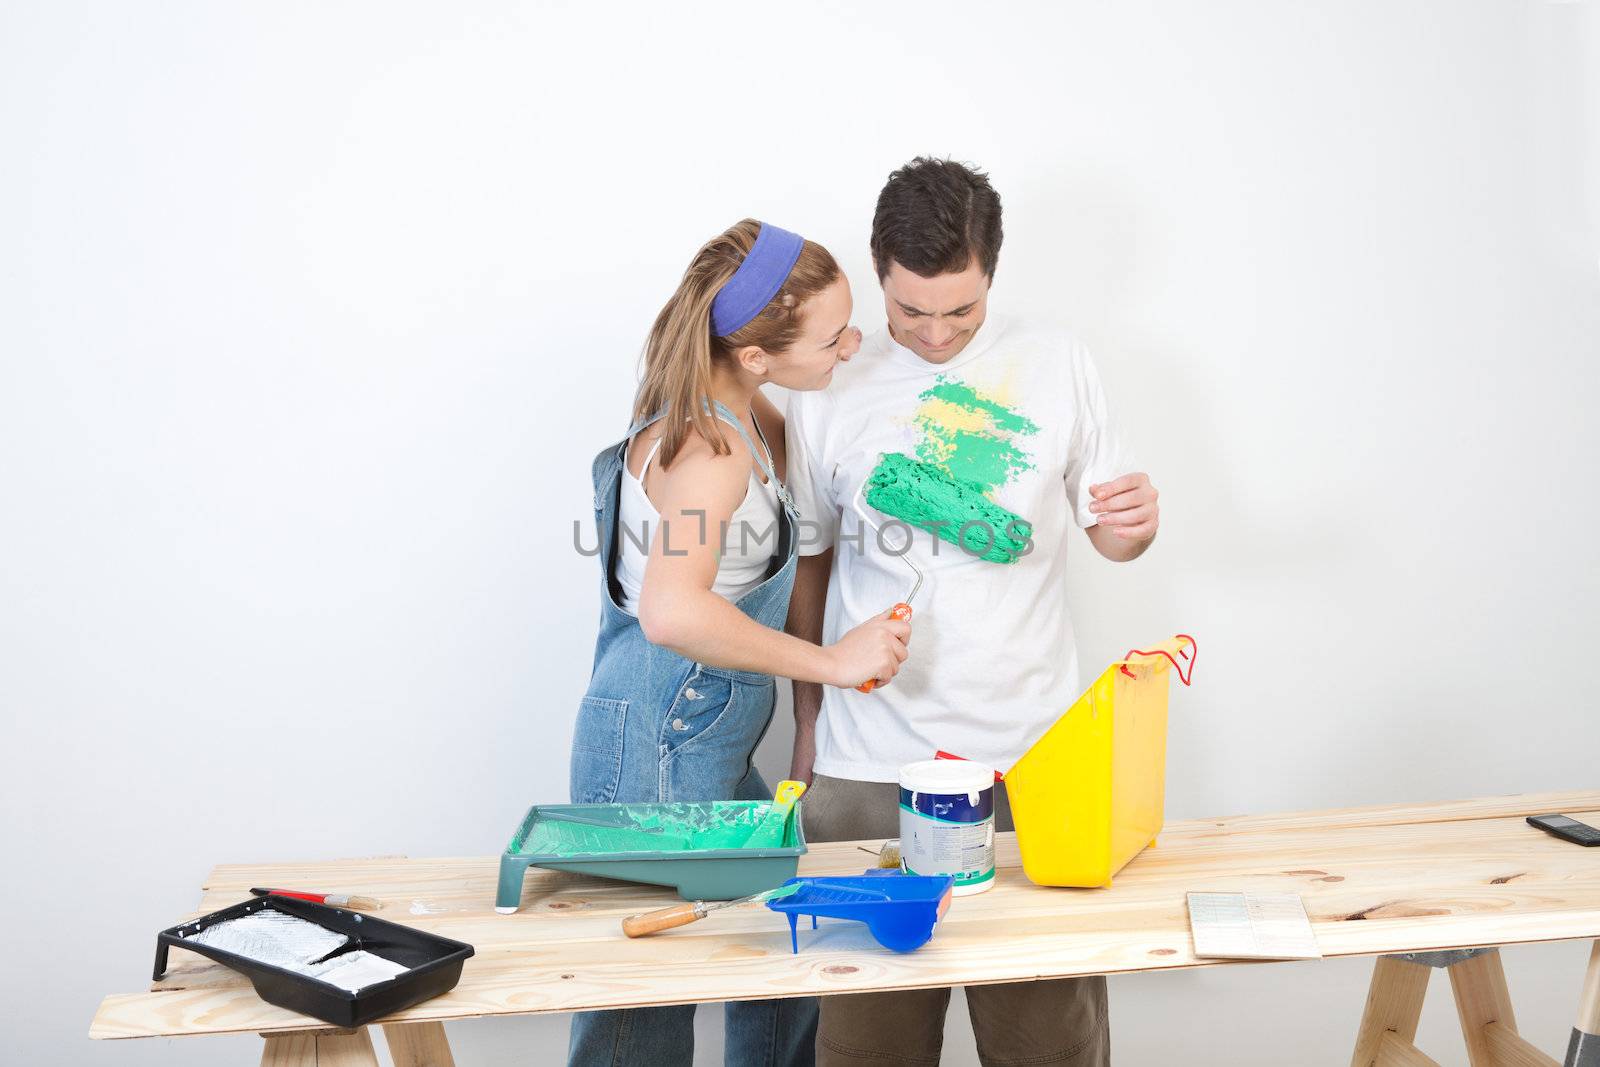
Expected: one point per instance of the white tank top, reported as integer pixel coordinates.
(748, 546)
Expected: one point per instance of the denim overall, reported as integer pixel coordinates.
(656, 727)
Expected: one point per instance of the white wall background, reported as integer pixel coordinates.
(312, 316)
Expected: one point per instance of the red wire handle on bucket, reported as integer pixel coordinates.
(1190, 654)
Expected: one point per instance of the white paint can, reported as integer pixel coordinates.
(947, 822)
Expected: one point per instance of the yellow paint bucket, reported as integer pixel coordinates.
(1088, 796)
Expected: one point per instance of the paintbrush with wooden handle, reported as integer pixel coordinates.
(337, 900)
(653, 922)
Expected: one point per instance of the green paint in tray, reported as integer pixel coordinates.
(606, 828)
(707, 851)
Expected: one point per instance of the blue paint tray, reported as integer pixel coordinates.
(719, 850)
(900, 910)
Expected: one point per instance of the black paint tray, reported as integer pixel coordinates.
(434, 962)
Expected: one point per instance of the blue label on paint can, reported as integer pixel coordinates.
(949, 807)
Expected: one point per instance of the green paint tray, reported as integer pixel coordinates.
(710, 851)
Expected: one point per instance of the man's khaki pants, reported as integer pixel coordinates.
(1020, 1023)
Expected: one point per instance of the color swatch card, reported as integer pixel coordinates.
(1251, 926)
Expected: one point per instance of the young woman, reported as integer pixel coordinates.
(697, 547)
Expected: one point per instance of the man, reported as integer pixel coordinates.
(983, 442)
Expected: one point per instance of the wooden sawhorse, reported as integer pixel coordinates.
(410, 1045)
(1394, 1004)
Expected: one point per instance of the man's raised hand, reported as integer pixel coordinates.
(1127, 505)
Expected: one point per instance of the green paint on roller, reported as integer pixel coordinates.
(956, 511)
(971, 436)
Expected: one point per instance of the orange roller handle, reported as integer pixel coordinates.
(901, 613)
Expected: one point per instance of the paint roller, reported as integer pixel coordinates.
(653, 922)
(902, 610)
(958, 511)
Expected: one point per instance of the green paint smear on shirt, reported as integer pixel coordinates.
(926, 497)
(988, 458)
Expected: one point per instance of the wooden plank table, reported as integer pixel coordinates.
(1376, 882)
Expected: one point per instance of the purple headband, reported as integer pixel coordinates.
(764, 270)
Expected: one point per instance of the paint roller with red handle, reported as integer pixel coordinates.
(902, 610)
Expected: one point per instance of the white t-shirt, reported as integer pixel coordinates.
(999, 446)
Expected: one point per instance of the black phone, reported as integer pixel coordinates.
(1566, 828)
